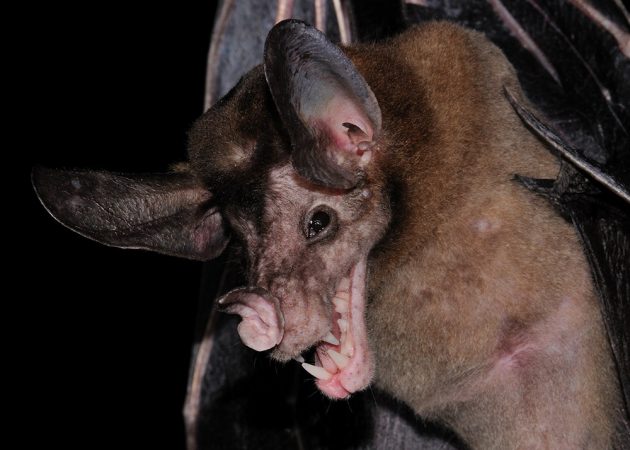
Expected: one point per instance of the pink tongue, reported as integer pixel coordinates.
(262, 324)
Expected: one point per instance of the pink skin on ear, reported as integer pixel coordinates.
(344, 124)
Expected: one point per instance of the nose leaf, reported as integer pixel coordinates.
(262, 321)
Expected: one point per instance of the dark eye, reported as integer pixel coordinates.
(320, 223)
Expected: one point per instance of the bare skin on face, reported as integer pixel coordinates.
(319, 282)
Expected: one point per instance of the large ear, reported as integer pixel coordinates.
(328, 109)
(167, 213)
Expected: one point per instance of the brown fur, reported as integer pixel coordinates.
(482, 303)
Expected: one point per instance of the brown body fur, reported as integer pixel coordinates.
(483, 312)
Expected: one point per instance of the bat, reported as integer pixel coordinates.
(365, 195)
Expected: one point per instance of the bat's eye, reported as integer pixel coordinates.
(320, 223)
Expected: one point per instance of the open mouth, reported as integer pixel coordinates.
(343, 363)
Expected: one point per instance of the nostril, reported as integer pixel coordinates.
(262, 321)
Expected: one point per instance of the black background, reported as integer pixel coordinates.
(103, 350)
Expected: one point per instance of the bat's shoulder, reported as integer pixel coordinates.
(443, 40)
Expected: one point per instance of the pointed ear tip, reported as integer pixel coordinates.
(40, 179)
(289, 26)
(47, 184)
(38, 174)
(290, 23)
(278, 30)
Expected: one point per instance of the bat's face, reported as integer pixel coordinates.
(307, 248)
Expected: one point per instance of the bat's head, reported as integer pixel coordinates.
(287, 165)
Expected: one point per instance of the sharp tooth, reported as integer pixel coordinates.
(342, 295)
(299, 358)
(344, 284)
(343, 325)
(317, 372)
(347, 348)
(331, 339)
(339, 359)
(341, 306)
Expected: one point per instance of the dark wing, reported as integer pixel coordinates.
(573, 60)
